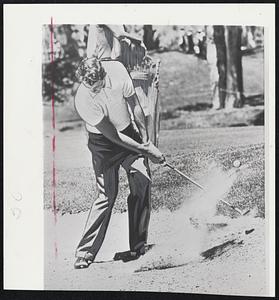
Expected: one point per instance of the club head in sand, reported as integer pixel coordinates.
(246, 212)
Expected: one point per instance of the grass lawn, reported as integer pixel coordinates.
(191, 151)
(184, 79)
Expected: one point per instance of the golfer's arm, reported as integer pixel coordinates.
(139, 117)
(110, 132)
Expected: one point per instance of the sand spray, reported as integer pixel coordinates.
(185, 231)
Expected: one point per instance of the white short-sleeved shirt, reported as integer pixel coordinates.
(110, 102)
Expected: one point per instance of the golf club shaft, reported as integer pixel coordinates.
(232, 206)
(200, 186)
(185, 176)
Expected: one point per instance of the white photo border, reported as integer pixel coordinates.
(23, 121)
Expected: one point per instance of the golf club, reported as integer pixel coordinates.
(202, 188)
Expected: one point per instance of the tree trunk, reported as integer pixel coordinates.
(234, 79)
(219, 40)
(148, 37)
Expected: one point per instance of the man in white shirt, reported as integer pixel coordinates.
(102, 101)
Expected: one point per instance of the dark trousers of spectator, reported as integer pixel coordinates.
(107, 158)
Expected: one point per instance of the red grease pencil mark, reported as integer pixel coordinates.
(54, 207)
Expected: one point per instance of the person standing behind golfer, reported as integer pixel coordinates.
(104, 41)
(102, 101)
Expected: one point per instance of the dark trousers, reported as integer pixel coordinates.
(107, 158)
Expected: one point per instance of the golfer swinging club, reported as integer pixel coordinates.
(102, 101)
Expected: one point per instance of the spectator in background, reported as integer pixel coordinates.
(104, 41)
(211, 56)
(201, 43)
(190, 42)
(182, 41)
(250, 40)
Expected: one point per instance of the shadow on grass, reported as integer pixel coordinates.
(254, 100)
(172, 114)
(252, 51)
(259, 119)
(240, 116)
(195, 107)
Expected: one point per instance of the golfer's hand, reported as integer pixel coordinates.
(137, 77)
(154, 154)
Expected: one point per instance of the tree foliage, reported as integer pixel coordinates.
(69, 43)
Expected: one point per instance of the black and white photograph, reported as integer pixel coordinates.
(158, 181)
(155, 156)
